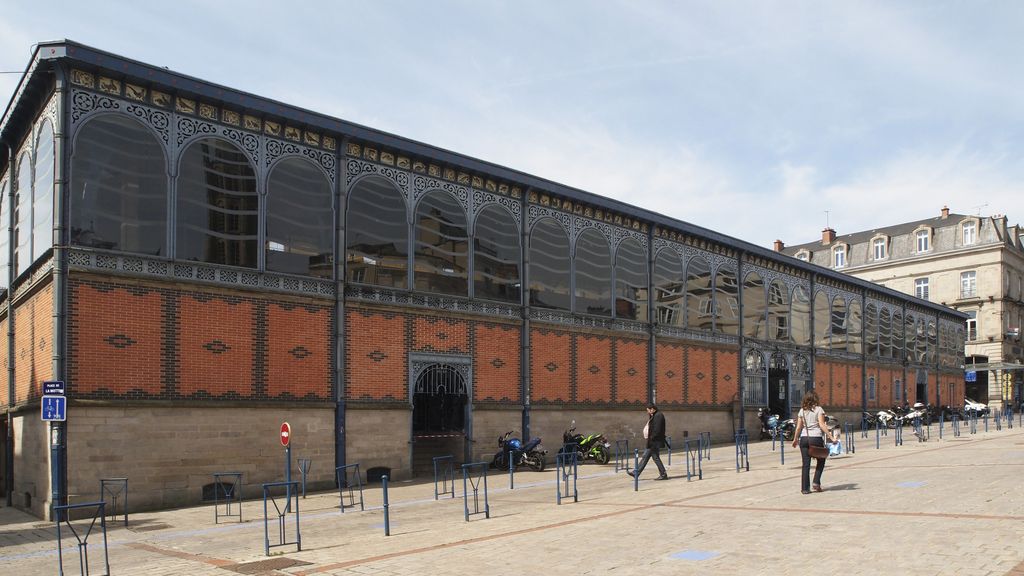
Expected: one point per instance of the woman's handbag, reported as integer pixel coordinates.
(819, 452)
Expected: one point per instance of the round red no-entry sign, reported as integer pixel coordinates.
(286, 434)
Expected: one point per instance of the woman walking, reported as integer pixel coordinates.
(810, 431)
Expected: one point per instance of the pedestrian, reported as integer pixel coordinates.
(810, 431)
(654, 432)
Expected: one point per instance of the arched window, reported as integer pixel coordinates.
(839, 336)
(871, 329)
(23, 215)
(800, 317)
(549, 266)
(376, 234)
(822, 320)
(630, 281)
(755, 379)
(884, 333)
(442, 245)
(496, 255)
(898, 330)
(218, 206)
(593, 274)
(42, 200)
(5, 241)
(727, 309)
(699, 305)
(669, 288)
(300, 220)
(778, 312)
(854, 324)
(754, 306)
(118, 198)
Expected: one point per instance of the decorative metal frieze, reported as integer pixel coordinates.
(356, 169)
(698, 335)
(714, 259)
(447, 303)
(767, 275)
(158, 120)
(482, 199)
(40, 271)
(832, 292)
(85, 103)
(579, 224)
(422, 184)
(619, 234)
(536, 213)
(420, 362)
(274, 149)
(89, 260)
(51, 111)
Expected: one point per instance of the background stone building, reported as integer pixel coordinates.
(973, 264)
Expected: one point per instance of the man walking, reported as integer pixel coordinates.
(654, 432)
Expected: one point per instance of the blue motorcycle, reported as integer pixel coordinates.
(531, 454)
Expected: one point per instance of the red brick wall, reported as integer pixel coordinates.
(33, 344)
(593, 368)
(376, 360)
(699, 375)
(298, 352)
(550, 365)
(631, 370)
(823, 381)
(726, 376)
(431, 334)
(4, 376)
(496, 362)
(668, 373)
(215, 346)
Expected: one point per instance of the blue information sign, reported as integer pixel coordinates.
(970, 376)
(53, 409)
(53, 388)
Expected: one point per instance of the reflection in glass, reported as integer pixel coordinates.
(119, 187)
(854, 339)
(218, 207)
(754, 306)
(822, 320)
(884, 334)
(593, 274)
(549, 266)
(442, 245)
(801, 317)
(300, 220)
(5, 241)
(727, 308)
(897, 335)
(42, 203)
(669, 288)
(839, 324)
(23, 215)
(871, 329)
(778, 312)
(932, 352)
(631, 281)
(699, 305)
(496, 255)
(377, 234)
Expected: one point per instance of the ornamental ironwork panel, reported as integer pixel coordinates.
(483, 199)
(453, 304)
(356, 169)
(275, 149)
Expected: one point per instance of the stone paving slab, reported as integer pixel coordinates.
(951, 506)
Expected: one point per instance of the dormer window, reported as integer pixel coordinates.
(970, 232)
(878, 249)
(839, 256)
(924, 240)
(803, 255)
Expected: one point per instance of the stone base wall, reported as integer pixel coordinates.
(32, 490)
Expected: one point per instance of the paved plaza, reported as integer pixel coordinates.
(946, 506)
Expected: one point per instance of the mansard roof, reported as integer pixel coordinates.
(894, 230)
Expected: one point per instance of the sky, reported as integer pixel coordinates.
(760, 120)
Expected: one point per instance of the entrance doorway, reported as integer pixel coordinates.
(439, 415)
(778, 386)
(922, 387)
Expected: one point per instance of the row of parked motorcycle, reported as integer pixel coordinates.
(532, 455)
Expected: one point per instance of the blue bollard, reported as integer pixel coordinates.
(511, 472)
(636, 472)
(387, 516)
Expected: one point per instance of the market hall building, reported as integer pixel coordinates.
(199, 265)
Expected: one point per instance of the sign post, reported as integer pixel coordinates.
(286, 441)
(53, 409)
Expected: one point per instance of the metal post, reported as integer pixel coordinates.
(636, 472)
(288, 474)
(511, 472)
(387, 515)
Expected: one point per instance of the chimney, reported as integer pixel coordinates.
(779, 245)
(945, 212)
(828, 236)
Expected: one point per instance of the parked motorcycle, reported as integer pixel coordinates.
(772, 426)
(888, 418)
(869, 419)
(590, 447)
(531, 454)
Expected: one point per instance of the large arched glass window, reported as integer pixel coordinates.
(118, 187)
(822, 320)
(884, 333)
(42, 201)
(549, 266)
(699, 305)
(496, 255)
(910, 338)
(897, 335)
(854, 324)
(630, 281)
(23, 215)
(593, 274)
(839, 337)
(754, 306)
(218, 206)
(727, 308)
(300, 220)
(377, 234)
(442, 245)
(669, 288)
(871, 329)
(801, 317)
(5, 242)
(778, 312)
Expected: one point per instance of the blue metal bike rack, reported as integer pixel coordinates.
(742, 458)
(567, 468)
(693, 458)
(850, 447)
(475, 474)
(705, 444)
(621, 455)
(444, 475)
(668, 445)
(230, 494)
(350, 481)
(899, 434)
(63, 516)
(117, 490)
(291, 490)
(878, 435)
(636, 470)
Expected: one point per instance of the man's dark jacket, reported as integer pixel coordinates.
(656, 431)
